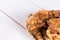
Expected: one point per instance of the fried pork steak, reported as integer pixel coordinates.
(44, 25)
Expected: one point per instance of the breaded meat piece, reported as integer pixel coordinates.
(44, 25)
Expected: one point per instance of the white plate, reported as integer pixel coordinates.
(19, 10)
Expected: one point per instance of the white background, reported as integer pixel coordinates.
(19, 10)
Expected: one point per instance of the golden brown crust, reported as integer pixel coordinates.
(53, 31)
(36, 20)
(43, 23)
